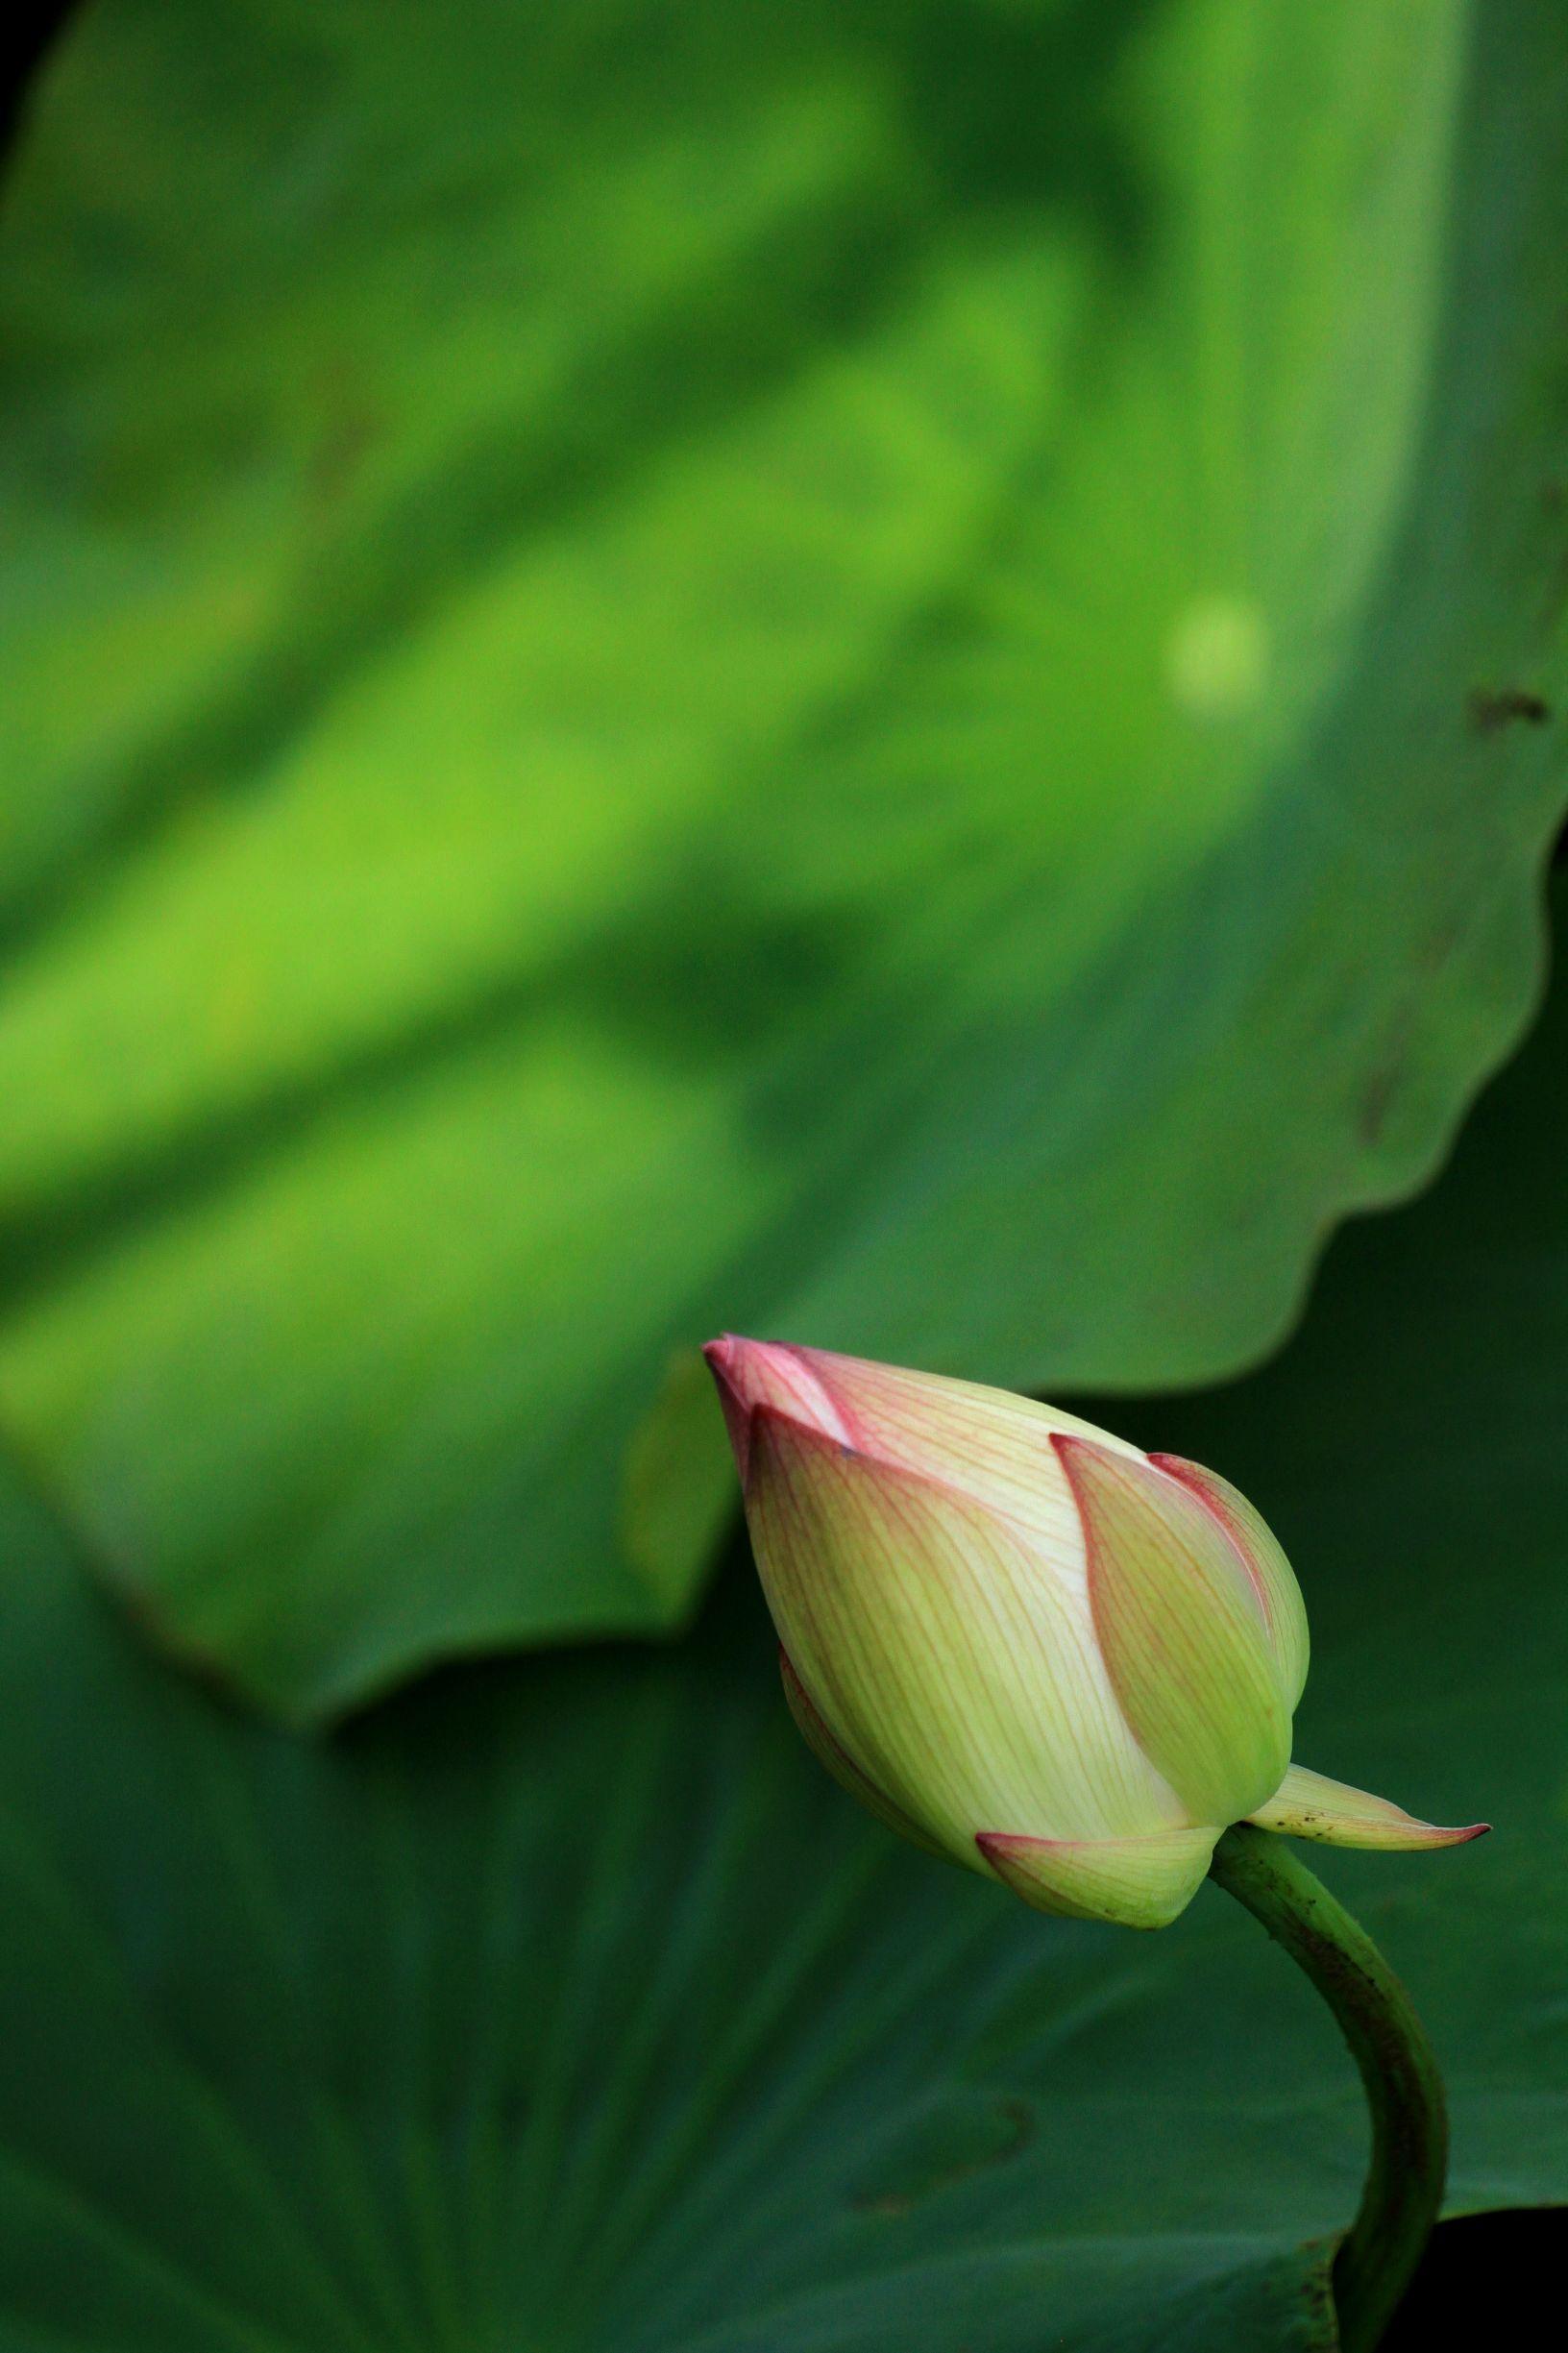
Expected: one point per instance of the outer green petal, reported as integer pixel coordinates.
(1284, 1612)
(1137, 1882)
(838, 1762)
(1182, 1634)
(1309, 1806)
(949, 1653)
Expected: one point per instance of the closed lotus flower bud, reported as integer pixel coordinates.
(1021, 1642)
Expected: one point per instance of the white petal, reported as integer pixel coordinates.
(943, 1650)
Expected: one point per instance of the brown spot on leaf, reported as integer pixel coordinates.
(1491, 707)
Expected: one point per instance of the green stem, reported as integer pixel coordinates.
(1404, 2091)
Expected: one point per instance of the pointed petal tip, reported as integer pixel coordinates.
(740, 1362)
(1409, 1835)
(1080, 1456)
(1417, 1835)
(1309, 1804)
(1139, 1882)
(721, 1359)
(796, 1384)
(1261, 1555)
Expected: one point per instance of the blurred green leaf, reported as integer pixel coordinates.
(864, 671)
(568, 2004)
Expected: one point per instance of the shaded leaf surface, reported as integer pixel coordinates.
(568, 2004)
(881, 671)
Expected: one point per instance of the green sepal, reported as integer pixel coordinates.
(1134, 1882)
(1308, 1805)
(1182, 1632)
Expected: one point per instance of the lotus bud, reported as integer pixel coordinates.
(1022, 1643)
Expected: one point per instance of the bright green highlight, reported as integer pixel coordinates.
(653, 680)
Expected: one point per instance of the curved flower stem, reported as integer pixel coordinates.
(1404, 2091)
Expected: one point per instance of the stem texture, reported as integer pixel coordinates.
(1388, 2042)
